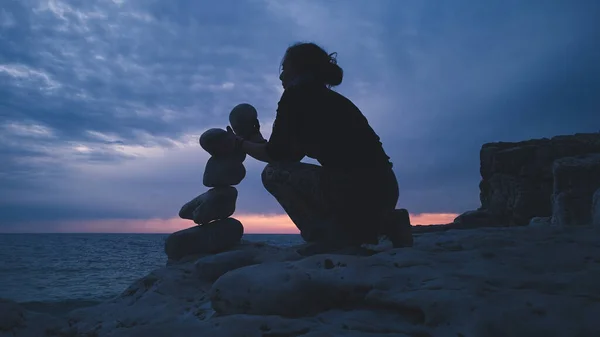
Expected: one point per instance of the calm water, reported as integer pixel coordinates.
(71, 268)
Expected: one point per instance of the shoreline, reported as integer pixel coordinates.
(503, 272)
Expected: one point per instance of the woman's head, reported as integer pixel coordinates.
(309, 59)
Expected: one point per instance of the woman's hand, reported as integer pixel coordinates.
(229, 143)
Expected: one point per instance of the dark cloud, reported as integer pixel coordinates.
(101, 102)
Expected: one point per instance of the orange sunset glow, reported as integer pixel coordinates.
(253, 224)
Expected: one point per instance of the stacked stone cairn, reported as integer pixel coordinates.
(216, 230)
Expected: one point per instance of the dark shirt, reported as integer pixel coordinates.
(315, 121)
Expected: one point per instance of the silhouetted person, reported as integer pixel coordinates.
(350, 199)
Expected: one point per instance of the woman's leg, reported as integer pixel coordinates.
(297, 188)
(361, 200)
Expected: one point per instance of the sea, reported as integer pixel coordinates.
(60, 272)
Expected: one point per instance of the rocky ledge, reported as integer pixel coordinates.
(550, 180)
(519, 281)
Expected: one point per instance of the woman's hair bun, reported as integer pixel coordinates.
(309, 58)
(333, 74)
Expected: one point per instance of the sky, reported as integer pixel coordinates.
(102, 101)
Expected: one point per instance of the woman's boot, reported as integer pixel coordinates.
(398, 229)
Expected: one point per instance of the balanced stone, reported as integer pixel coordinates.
(214, 204)
(211, 139)
(223, 171)
(243, 118)
(219, 204)
(187, 210)
(217, 236)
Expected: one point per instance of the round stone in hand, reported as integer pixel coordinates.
(244, 120)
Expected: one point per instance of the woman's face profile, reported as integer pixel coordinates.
(281, 77)
(286, 73)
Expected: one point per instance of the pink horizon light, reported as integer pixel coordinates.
(253, 224)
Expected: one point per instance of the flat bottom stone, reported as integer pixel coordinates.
(214, 237)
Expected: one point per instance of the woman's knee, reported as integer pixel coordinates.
(279, 174)
(267, 176)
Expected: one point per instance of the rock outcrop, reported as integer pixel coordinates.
(575, 181)
(518, 179)
(518, 282)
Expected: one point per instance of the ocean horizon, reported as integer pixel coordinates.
(111, 233)
(61, 271)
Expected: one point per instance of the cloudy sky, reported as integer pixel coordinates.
(102, 101)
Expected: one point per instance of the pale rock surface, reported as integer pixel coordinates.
(541, 221)
(518, 282)
(15, 321)
(223, 171)
(214, 204)
(211, 267)
(490, 283)
(575, 181)
(217, 236)
(174, 296)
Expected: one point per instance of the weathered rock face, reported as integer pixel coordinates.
(517, 178)
(217, 236)
(576, 179)
(16, 321)
(223, 171)
(174, 296)
(510, 290)
(481, 282)
(211, 267)
(541, 221)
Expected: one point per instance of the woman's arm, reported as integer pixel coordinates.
(283, 144)
(257, 151)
